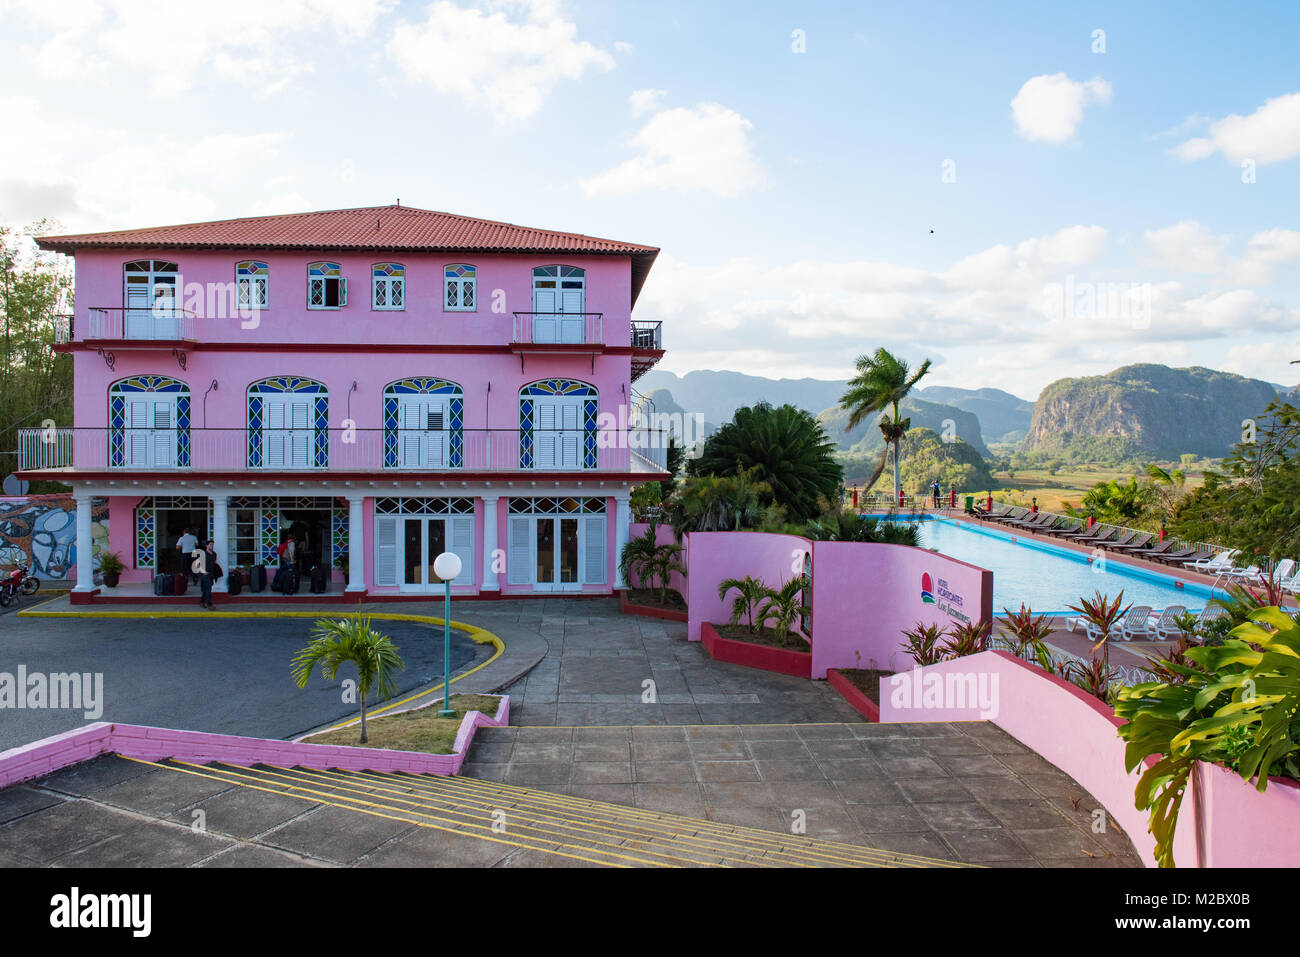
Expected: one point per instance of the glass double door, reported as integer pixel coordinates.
(557, 553)
(422, 540)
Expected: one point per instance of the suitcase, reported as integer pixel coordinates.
(179, 581)
(319, 583)
(162, 584)
(258, 582)
(234, 583)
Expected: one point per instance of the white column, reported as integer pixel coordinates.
(356, 545)
(85, 543)
(622, 531)
(491, 542)
(221, 537)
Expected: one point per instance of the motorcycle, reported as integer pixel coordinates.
(20, 582)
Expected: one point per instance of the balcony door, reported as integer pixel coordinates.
(557, 553)
(150, 298)
(559, 301)
(287, 436)
(557, 437)
(423, 436)
(406, 547)
(150, 438)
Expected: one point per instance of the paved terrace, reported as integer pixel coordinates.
(714, 770)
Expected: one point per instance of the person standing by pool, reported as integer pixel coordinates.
(934, 492)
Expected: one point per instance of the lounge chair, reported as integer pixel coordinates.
(1284, 570)
(1248, 574)
(1136, 623)
(1182, 555)
(1123, 539)
(1219, 563)
(1150, 553)
(1071, 526)
(1166, 626)
(1097, 540)
(1095, 534)
(1142, 541)
(1091, 631)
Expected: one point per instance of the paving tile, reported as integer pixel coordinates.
(887, 818)
(602, 772)
(336, 834)
(664, 772)
(19, 800)
(956, 815)
(1027, 814)
(710, 771)
(988, 845)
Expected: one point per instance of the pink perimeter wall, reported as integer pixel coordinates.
(1239, 827)
(713, 556)
(865, 595)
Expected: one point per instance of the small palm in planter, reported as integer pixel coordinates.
(752, 592)
(337, 642)
(782, 607)
(1103, 615)
(111, 567)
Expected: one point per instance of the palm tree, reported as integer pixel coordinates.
(636, 553)
(1104, 615)
(784, 447)
(661, 564)
(781, 607)
(883, 380)
(336, 642)
(719, 503)
(752, 592)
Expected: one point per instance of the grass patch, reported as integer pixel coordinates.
(420, 730)
(767, 636)
(866, 680)
(649, 597)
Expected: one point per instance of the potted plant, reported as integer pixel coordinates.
(111, 567)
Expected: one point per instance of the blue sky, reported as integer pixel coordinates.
(793, 193)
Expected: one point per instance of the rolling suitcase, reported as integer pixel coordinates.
(318, 581)
(179, 581)
(234, 583)
(258, 582)
(162, 584)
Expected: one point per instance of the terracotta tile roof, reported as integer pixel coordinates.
(370, 227)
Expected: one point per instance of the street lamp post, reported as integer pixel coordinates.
(447, 567)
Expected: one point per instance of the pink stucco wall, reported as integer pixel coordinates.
(1238, 826)
(714, 556)
(157, 744)
(865, 595)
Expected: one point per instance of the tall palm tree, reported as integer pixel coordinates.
(882, 382)
(336, 642)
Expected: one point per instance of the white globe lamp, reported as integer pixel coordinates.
(447, 567)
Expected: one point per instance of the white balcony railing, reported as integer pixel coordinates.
(337, 450)
(559, 328)
(156, 324)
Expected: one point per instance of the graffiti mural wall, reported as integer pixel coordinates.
(44, 529)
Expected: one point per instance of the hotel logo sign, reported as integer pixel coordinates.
(943, 597)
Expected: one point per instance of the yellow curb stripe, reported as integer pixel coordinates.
(566, 818)
(450, 830)
(355, 803)
(737, 837)
(777, 842)
(323, 778)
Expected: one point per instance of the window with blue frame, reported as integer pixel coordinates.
(288, 423)
(557, 425)
(149, 423)
(424, 424)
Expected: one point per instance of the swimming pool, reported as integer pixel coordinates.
(1049, 579)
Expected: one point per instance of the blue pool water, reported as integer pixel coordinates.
(1050, 579)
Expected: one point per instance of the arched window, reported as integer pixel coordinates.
(460, 284)
(557, 425)
(424, 420)
(288, 424)
(149, 423)
(388, 286)
(252, 284)
(326, 286)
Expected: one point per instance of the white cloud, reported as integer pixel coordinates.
(643, 101)
(1049, 108)
(1265, 252)
(1269, 135)
(688, 150)
(168, 45)
(508, 57)
(1186, 246)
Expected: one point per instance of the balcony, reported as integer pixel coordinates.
(647, 347)
(126, 327)
(556, 330)
(393, 453)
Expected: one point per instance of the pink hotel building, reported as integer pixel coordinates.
(388, 383)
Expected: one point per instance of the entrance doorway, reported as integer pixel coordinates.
(310, 528)
(172, 523)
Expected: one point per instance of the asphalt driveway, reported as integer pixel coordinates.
(225, 675)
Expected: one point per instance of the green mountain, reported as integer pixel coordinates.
(1147, 410)
(1003, 416)
(867, 440)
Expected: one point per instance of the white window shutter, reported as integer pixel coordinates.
(462, 543)
(593, 554)
(520, 571)
(385, 550)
